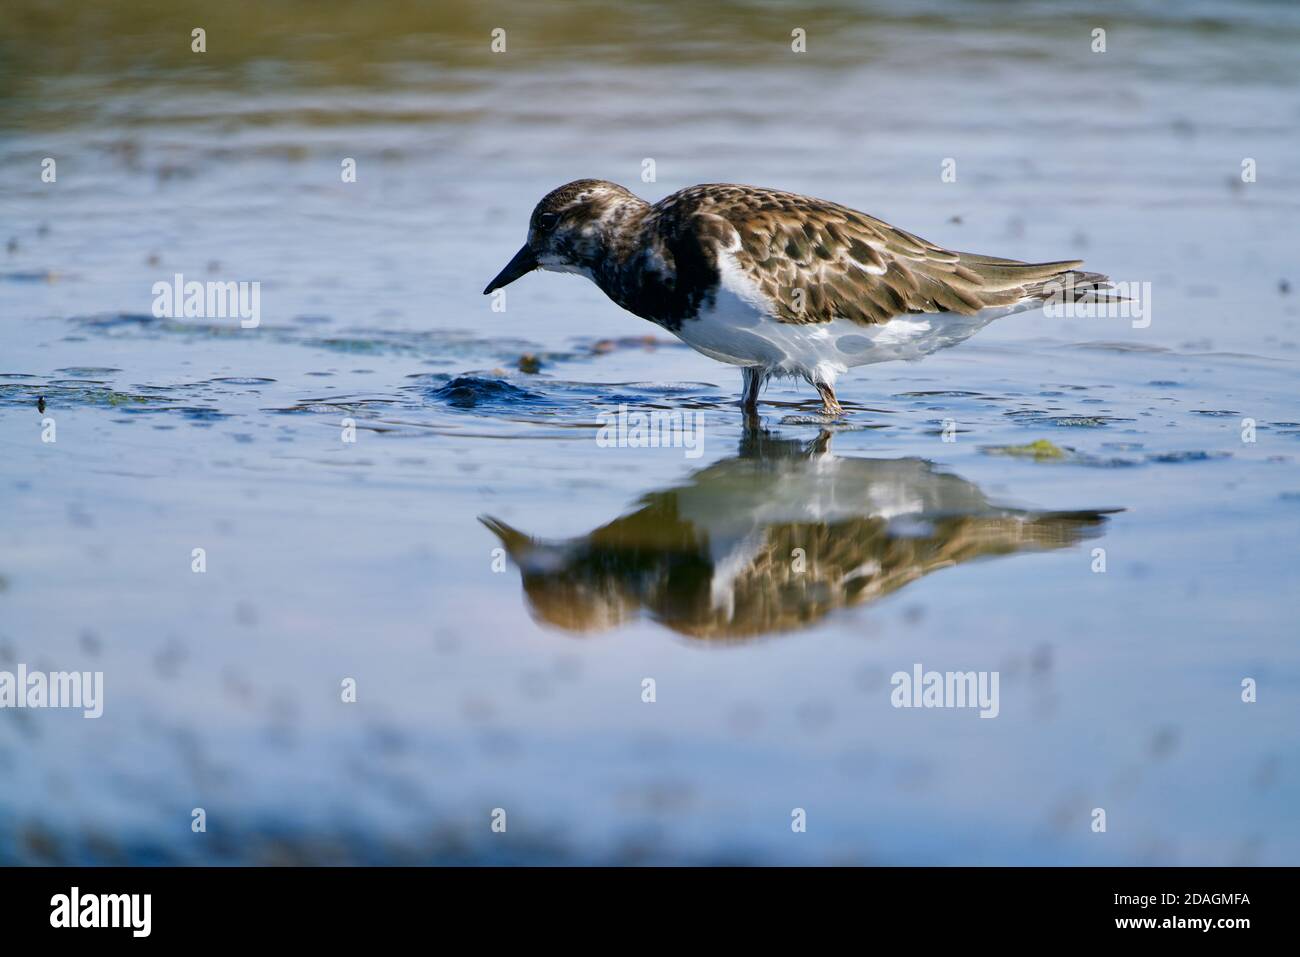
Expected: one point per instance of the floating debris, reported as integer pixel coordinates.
(1194, 456)
(1079, 421)
(603, 346)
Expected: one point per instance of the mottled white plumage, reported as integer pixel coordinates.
(777, 283)
(739, 327)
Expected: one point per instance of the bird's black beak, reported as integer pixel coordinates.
(523, 263)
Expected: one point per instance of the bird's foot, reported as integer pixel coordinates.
(831, 407)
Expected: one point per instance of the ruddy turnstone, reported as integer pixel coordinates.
(710, 556)
(778, 283)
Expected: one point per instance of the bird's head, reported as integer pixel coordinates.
(572, 229)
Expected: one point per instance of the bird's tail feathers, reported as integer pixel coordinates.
(1074, 285)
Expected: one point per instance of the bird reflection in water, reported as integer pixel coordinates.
(774, 539)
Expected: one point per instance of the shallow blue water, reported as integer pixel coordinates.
(489, 679)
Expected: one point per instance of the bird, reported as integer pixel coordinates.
(778, 283)
(773, 540)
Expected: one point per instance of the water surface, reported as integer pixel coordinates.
(499, 586)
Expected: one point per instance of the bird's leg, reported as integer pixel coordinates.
(753, 379)
(830, 404)
(818, 446)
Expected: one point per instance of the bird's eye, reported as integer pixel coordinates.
(547, 221)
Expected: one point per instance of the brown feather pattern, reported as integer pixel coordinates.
(815, 260)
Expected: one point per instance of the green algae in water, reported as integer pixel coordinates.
(1042, 450)
(68, 395)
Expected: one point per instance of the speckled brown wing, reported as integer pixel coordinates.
(816, 261)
